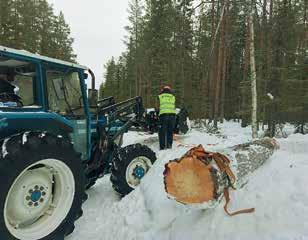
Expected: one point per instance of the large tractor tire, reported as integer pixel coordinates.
(42, 187)
(129, 166)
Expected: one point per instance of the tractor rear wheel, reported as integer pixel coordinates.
(42, 187)
(129, 166)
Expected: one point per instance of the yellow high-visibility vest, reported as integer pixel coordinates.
(166, 104)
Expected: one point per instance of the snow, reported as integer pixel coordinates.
(278, 191)
(4, 150)
(25, 138)
(16, 89)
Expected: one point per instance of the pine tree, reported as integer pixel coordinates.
(134, 79)
(29, 34)
(63, 40)
(46, 18)
(203, 53)
(183, 49)
(6, 22)
(32, 25)
(109, 86)
(158, 35)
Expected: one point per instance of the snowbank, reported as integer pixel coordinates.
(278, 191)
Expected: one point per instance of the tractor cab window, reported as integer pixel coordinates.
(65, 98)
(64, 93)
(17, 84)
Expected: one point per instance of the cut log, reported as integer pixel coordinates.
(182, 175)
(202, 177)
(169, 192)
(250, 156)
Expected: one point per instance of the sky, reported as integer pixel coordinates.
(97, 27)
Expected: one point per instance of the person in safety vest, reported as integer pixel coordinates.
(167, 117)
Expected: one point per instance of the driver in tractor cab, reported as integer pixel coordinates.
(5, 86)
(167, 117)
(8, 97)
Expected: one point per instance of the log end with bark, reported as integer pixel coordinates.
(190, 180)
(200, 177)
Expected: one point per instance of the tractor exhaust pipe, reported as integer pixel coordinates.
(92, 79)
(92, 93)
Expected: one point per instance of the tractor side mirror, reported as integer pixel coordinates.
(92, 97)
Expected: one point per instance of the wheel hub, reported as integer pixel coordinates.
(139, 172)
(136, 170)
(36, 196)
(26, 202)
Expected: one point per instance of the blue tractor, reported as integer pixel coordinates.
(56, 140)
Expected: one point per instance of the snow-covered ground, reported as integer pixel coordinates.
(278, 191)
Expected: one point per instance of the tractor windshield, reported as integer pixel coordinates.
(17, 84)
(64, 93)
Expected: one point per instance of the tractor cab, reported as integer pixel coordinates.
(17, 81)
(43, 94)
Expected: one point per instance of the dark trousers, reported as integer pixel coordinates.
(166, 128)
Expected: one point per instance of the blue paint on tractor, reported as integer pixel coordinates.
(36, 196)
(139, 172)
(16, 122)
(3, 123)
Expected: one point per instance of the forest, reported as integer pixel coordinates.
(32, 25)
(202, 49)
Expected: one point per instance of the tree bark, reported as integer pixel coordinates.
(263, 67)
(253, 78)
(165, 206)
(225, 64)
(220, 58)
(201, 177)
(218, 81)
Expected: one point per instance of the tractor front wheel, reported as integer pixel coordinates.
(42, 187)
(129, 166)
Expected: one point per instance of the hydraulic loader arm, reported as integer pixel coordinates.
(120, 116)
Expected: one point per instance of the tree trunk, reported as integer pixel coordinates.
(201, 177)
(225, 63)
(165, 205)
(263, 67)
(218, 81)
(253, 78)
(217, 91)
(269, 62)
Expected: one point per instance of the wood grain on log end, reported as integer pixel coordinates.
(189, 180)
